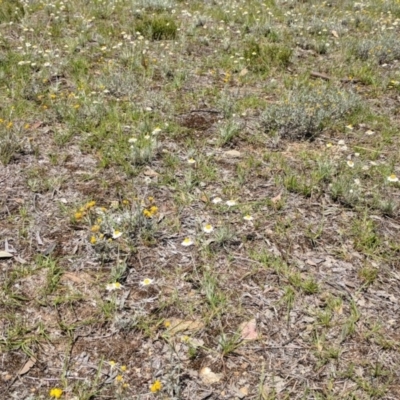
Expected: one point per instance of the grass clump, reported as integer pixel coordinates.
(11, 11)
(157, 27)
(306, 111)
(262, 56)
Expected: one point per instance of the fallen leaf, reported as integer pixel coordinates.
(243, 72)
(249, 330)
(209, 377)
(334, 34)
(5, 254)
(150, 172)
(28, 365)
(178, 325)
(232, 154)
(276, 198)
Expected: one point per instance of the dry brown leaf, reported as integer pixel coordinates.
(5, 254)
(334, 34)
(249, 330)
(276, 198)
(209, 377)
(150, 172)
(28, 365)
(76, 278)
(178, 325)
(243, 72)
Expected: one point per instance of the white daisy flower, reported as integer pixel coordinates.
(187, 242)
(350, 164)
(231, 203)
(156, 130)
(191, 161)
(113, 286)
(248, 217)
(116, 234)
(208, 228)
(216, 200)
(146, 282)
(393, 178)
(369, 132)
(132, 140)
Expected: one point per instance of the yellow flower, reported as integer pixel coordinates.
(95, 228)
(123, 368)
(90, 204)
(112, 363)
(147, 213)
(9, 125)
(93, 240)
(153, 209)
(119, 378)
(56, 393)
(151, 199)
(156, 386)
(78, 215)
(167, 324)
(125, 202)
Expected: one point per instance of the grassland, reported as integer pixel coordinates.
(199, 200)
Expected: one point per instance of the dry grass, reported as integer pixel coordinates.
(199, 200)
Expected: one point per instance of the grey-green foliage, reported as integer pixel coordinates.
(305, 111)
(381, 49)
(155, 5)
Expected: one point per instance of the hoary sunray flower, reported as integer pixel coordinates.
(393, 178)
(187, 242)
(116, 234)
(350, 164)
(113, 286)
(216, 200)
(231, 203)
(248, 217)
(146, 282)
(208, 228)
(191, 161)
(156, 130)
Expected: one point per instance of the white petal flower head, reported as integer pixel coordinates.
(369, 132)
(208, 228)
(116, 234)
(113, 286)
(231, 203)
(146, 282)
(248, 217)
(341, 142)
(393, 178)
(156, 130)
(191, 161)
(187, 242)
(216, 200)
(132, 140)
(350, 164)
